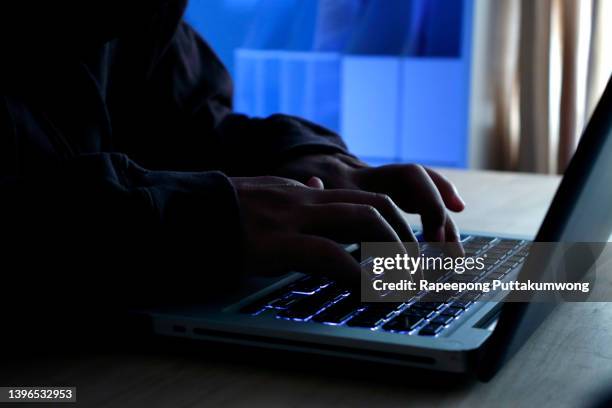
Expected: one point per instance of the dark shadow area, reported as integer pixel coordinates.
(87, 367)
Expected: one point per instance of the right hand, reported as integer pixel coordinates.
(293, 227)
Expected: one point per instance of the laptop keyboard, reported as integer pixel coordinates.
(323, 301)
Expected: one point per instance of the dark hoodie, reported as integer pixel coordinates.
(116, 139)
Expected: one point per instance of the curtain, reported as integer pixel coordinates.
(538, 73)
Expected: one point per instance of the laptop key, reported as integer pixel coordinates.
(516, 259)
(497, 274)
(489, 262)
(451, 311)
(254, 308)
(463, 278)
(442, 319)
(364, 321)
(437, 297)
(308, 306)
(431, 329)
(424, 313)
(260, 304)
(428, 305)
(471, 296)
(339, 312)
(472, 248)
(475, 273)
(496, 252)
(403, 323)
(481, 240)
(380, 313)
(388, 306)
(367, 319)
(461, 304)
(509, 243)
(284, 302)
(309, 285)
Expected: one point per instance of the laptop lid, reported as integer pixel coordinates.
(579, 212)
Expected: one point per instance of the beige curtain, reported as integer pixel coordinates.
(538, 74)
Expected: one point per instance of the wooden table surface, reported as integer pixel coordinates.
(567, 363)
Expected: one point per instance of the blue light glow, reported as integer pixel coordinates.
(392, 76)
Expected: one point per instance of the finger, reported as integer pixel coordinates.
(447, 190)
(422, 196)
(320, 256)
(453, 239)
(452, 232)
(414, 191)
(245, 182)
(315, 182)
(381, 202)
(348, 222)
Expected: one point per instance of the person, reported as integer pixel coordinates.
(126, 179)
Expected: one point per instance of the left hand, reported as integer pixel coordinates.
(416, 189)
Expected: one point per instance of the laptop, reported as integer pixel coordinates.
(458, 334)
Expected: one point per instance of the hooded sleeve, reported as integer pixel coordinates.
(185, 98)
(103, 233)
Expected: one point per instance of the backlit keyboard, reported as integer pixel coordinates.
(323, 301)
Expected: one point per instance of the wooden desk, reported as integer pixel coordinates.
(565, 364)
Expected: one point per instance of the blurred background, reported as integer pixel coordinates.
(494, 84)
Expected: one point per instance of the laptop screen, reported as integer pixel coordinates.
(580, 212)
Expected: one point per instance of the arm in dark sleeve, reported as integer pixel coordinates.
(102, 234)
(188, 106)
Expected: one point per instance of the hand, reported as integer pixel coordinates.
(416, 189)
(291, 226)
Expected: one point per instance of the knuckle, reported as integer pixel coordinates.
(293, 183)
(385, 201)
(414, 168)
(368, 211)
(283, 182)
